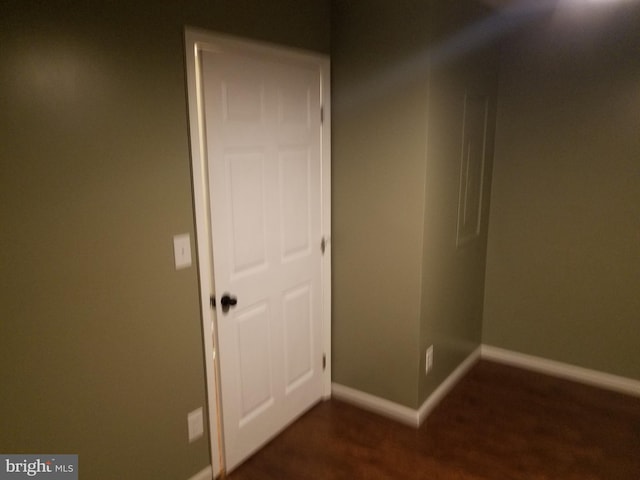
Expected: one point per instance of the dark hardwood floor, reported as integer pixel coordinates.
(498, 423)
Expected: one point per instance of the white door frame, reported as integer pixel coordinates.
(196, 41)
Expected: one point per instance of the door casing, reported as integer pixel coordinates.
(197, 40)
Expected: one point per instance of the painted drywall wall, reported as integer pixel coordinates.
(464, 63)
(378, 146)
(394, 230)
(563, 267)
(100, 337)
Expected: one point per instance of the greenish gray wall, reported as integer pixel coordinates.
(393, 226)
(100, 337)
(378, 196)
(465, 61)
(563, 267)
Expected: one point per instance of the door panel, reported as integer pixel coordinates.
(247, 237)
(297, 315)
(295, 203)
(254, 349)
(262, 122)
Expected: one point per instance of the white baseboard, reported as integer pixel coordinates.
(400, 413)
(375, 404)
(562, 370)
(445, 387)
(415, 418)
(204, 474)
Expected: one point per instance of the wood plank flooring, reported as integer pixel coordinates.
(498, 423)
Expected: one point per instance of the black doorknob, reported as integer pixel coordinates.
(227, 301)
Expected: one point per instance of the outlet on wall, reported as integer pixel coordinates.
(182, 251)
(428, 359)
(195, 424)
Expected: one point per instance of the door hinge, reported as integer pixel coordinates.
(321, 114)
(212, 301)
(324, 242)
(324, 362)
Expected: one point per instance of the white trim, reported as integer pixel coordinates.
(204, 474)
(562, 370)
(445, 387)
(415, 418)
(325, 146)
(375, 404)
(205, 265)
(400, 413)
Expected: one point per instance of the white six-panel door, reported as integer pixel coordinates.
(263, 147)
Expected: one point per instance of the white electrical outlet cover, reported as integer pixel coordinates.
(429, 359)
(195, 424)
(182, 250)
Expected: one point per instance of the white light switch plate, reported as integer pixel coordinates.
(195, 424)
(182, 250)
